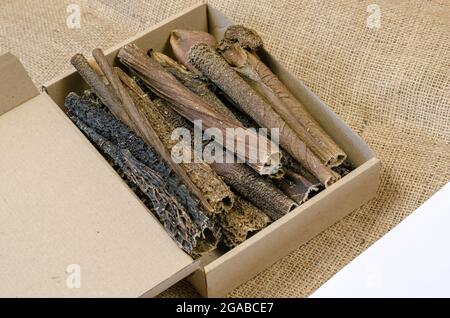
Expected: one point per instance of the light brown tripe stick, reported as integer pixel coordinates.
(193, 108)
(199, 87)
(298, 184)
(212, 65)
(241, 221)
(233, 48)
(184, 39)
(262, 193)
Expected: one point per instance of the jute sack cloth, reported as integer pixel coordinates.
(391, 85)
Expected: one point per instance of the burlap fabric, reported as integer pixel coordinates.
(391, 85)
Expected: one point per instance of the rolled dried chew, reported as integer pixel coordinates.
(212, 65)
(200, 87)
(193, 108)
(243, 218)
(299, 185)
(233, 47)
(184, 40)
(262, 193)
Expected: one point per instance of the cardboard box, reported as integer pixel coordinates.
(68, 220)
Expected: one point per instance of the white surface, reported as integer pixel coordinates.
(412, 260)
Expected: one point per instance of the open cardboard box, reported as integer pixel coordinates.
(68, 220)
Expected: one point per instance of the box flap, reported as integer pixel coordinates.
(16, 87)
(67, 220)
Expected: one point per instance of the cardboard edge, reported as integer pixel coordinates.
(18, 87)
(198, 280)
(372, 163)
(185, 272)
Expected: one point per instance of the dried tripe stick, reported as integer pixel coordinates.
(244, 217)
(298, 183)
(236, 223)
(200, 87)
(122, 107)
(193, 108)
(242, 179)
(238, 220)
(212, 187)
(170, 200)
(241, 221)
(212, 65)
(268, 197)
(233, 47)
(103, 92)
(185, 39)
(263, 194)
(196, 83)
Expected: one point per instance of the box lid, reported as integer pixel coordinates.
(69, 225)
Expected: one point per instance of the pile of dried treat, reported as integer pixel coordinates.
(131, 114)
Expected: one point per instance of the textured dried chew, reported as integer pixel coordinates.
(243, 218)
(122, 107)
(198, 86)
(212, 65)
(182, 40)
(233, 48)
(103, 92)
(299, 184)
(246, 37)
(262, 193)
(241, 221)
(193, 107)
(195, 83)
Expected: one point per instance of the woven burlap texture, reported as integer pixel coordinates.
(391, 85)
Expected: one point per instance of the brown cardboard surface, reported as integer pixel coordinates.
(61, 203)
(16, 86)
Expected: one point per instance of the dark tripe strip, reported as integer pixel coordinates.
(262, 193)
(171, 201)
